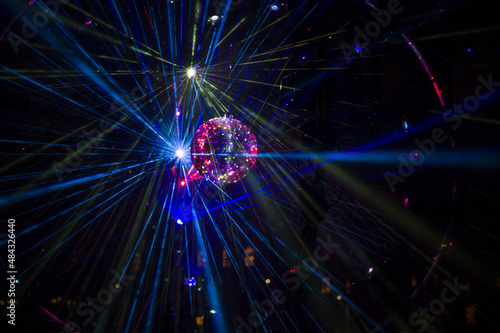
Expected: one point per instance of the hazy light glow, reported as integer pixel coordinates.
(180, 153)
(191, 282)
(191, 72)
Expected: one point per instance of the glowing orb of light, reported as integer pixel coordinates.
(223, 150)
(191, 72)
(191, 282)
(405, 125)
(214, 18)
(180, 153)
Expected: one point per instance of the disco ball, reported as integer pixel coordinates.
(223, 150)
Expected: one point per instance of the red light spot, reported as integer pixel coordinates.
(292, 271)
(183, 182)
(23, 148)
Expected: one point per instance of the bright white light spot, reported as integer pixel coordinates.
(179, 221)
(191, 72)
(214, 18)
(213, 311)
(370, 270)
(180, 153)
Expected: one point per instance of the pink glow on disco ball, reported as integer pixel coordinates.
(223, 150)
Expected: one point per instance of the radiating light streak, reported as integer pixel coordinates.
(458, 33)
(51, 251)
(97, 206)
(197, 98)
(426, 67)
(304, 42)
(51, 315)
(36, 192)
(143, 275)
(336, 290)
(158, 272)
(212, 292)
(352, 241)
(395, 213)
(63, 212)
(236, 26)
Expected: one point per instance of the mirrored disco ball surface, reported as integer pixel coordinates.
(223, 150)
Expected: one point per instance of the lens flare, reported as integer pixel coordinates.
(191, 72)
(180, 153)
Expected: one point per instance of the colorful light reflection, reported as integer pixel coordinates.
(223, 150)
